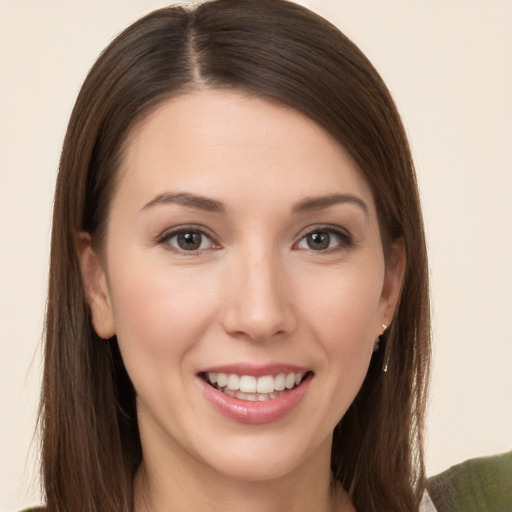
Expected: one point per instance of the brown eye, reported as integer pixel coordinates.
(324, 240)
(188, 240)
(318, 241)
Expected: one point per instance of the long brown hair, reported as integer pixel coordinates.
(282, 52)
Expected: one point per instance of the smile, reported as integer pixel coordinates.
(255, 395)
(252, 388)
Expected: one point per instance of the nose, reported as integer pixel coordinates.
(259, 302)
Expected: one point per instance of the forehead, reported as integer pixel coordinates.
(229, 144)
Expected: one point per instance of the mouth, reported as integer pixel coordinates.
(254, 389)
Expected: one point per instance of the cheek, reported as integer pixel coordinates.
(341, 314)
(345, 307)
(159, 312)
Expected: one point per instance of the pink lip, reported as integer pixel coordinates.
(255, 413)
(255, 370)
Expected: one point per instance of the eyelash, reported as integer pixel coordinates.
(345, 239)
(344, 242)
(186, 230)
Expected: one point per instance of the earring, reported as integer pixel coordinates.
(379, 337)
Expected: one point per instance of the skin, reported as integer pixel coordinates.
(255, 291)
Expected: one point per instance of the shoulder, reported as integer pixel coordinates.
(478, 484)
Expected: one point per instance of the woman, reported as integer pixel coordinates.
(238, 311)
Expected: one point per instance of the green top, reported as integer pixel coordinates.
(477, 485)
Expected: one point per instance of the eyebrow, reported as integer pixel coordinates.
(322, 202)
(186, 199)
(211, 205)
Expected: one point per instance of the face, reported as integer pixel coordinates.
(243, 275)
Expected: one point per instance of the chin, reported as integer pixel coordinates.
(265, 459)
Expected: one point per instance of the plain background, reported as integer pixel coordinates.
(448, 65)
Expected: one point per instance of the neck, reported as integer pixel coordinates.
(163, 484)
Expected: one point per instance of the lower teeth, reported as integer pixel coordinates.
(251, 397)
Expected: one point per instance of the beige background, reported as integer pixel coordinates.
(447, 62)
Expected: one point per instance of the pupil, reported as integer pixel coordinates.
(189, 241)
(319, 241)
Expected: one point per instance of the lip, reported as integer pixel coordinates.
(255, 413)
(255, 370)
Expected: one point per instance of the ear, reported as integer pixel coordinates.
(96, 287)
(392, 286)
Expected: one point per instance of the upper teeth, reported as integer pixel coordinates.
(251, 384)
